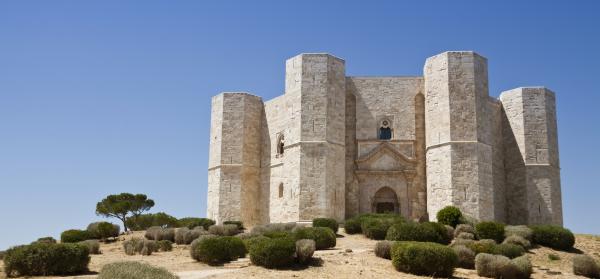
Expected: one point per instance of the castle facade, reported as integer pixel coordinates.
(336, 146)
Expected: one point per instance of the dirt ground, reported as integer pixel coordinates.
(352, 257)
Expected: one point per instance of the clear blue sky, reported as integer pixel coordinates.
(101, 97)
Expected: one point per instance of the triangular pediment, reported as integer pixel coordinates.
(385, 158)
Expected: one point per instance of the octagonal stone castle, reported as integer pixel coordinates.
(336, 146)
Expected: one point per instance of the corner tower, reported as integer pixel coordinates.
(234, 159)
(317, 141)
(459, 146)
(531, 156)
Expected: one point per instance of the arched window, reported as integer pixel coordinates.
(281, 190)
(385, 132)
(280, 145)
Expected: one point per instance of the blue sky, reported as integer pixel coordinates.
(101, 97)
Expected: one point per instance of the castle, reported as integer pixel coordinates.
(336, 146)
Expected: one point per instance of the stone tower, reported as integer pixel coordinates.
(234, 158)
(531, 152)
(317, 81)
(459, 144)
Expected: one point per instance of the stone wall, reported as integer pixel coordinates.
(234, 160)
(531, 152)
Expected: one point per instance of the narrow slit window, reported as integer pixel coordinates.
(280, 190)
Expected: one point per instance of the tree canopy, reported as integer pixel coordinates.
(124, 205)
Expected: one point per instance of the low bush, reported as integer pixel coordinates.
(73, 236)
(305, 248)
(466, 256)
(274, 227)
(192, 222)
(2, 253)
(521, 230)
(239, 224)
(552, 236)
(517, 240)
(92, 245)
(508, 250)
(273, 253)
(498, 266)
(449, 215)
(47, 239)
(186, 236)
(139, 246)
(553, 257)
(383, 249)
(324, 237)
(278, 234)
(218, 249)
(103, 230)
(352, 226)
(422, 232)
(248, 242)
(134, 270)
(224, 230)
(585, 265)
(327, 223)
(375, 228)
(164, 245)
(424, 258)
(46, 259)
(482, 246)
(463, 228)
(490, 230)
(466, 235)
(145, 221)
(461, 241)
(159, 233)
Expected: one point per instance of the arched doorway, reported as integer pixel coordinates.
(385, 201)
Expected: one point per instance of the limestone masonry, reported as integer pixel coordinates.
(337, 146)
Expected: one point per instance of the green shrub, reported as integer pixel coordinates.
(239, 224)
(47, 239)
(134, 270)
(423, 232)
(383, 249)
(305, 248)
(192, 222)
(274, 227)
(553, 257)
(327, 223)
(449, 215)
(323, 237)
(498, 266)
(555, 237)
(73, 236)
(375, 228)
(517, 240)
(585, 265)
(139, 246)
(463, 228)
(103, 230)
(508, 250)
(461, 241)
(522, 231)
(145, 221)
(273, 253)
(248, 242)
(278, 234)
(217, 250)
(424, 258)
(2, 253)
(352, 226)
(466, 256)
(46, 259)
(482, 246)
(92, 245)
(490, 230)
(465, 235)
(186, 236)
(164, 245)
(224, 230)
(159, 233)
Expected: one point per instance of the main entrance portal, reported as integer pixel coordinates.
(386, 201)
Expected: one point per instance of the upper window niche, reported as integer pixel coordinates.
(385, 131)
(280, 145)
